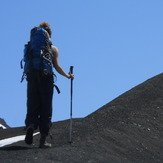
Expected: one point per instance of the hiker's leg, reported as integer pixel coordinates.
(33, 104)
(46, 88)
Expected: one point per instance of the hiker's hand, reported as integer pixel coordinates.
(71, 76)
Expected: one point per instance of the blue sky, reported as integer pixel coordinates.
(113, 45)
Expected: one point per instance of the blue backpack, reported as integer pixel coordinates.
(38, 53)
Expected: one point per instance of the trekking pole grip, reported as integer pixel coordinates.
(71, 69)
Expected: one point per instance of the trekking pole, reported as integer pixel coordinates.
(71, 94)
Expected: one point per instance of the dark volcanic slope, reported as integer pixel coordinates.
(2, 121)
(128, 129)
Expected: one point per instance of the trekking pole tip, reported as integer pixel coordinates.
(70, 142)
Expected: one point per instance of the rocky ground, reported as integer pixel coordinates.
(129, 129)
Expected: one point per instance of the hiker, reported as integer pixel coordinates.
(38, 70)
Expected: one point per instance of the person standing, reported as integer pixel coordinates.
(40, 86)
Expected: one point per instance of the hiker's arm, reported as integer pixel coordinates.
(57, 65)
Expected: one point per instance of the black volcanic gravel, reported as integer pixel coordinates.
(128, 129)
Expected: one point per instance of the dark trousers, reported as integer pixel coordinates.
(39, 101)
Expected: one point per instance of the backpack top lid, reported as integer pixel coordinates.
(39, 30)
(38, 34)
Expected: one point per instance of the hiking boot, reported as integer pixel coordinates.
(29, 135)
(45, 145)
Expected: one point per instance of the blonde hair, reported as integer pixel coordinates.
(44, 24)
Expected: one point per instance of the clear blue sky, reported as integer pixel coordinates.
(113, 45)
